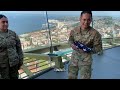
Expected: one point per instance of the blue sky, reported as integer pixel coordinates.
(95, 13)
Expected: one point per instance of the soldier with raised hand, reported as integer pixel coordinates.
(11, 55)
(88, 36)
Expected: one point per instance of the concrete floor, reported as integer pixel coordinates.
(106, 66)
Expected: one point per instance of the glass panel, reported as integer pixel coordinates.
(29, 25)
(32, 27)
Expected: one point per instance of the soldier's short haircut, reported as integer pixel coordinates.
(1, 16)
(89, 12)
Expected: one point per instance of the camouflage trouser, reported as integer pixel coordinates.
(85, 72)
(9, 72)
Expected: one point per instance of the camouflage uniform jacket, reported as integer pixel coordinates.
(89, 37)
(10, 49)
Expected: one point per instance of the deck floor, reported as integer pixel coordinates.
(106, 66)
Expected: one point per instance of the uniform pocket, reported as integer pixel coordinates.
(11, 41)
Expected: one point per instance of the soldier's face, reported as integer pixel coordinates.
(85, 20)
(3, 24)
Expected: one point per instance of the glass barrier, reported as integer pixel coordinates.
(35, 32)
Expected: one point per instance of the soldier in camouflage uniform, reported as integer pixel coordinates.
(11, 55)
(90, 37)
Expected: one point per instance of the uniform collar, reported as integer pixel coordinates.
(85, 30)
(3, 32)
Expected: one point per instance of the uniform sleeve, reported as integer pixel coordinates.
(19, 50)
(97, 43)
(71, 38)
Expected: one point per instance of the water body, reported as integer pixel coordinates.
(23, 23)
